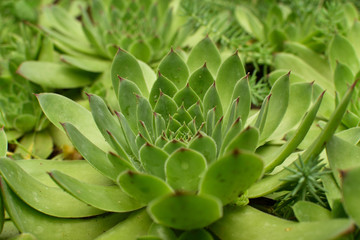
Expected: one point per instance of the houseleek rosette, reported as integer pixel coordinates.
(184, 147)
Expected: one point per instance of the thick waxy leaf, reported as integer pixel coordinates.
(343, 77)
(273, 160)
(234, 130)
(242, 219)
(87, 63)
(60, 109)
(186, 212)
(218, 134)
(162, 232)
(246, 139)
(277, 106)
(196, 113)
(141, 50)
(3, 143)
(272, 183)
(250, 22)
(153, 160)
(351, 192)
(144, 114)
(107, 198)
(204, 52)
(127, 101)
(310, 212)
(173, 145)
(164, 85)
(39, 144)
(50, 200)
(201, 80)
(231, 175)
(31, 221)
(299, 102)
(199, 234)
(342, 155)
(94, 155)
(186, 97)
(107, 124)
(174, 68)
(229, 73)
(184, 168)
(205, 145)
(136, 225)
(128, 133)
(261, 118)
(242, 96)
(54, 75)
(340, 49)
(126, 66)
(332, 190)
(160, 125)
(119, 163)
(182, 116)
(166, 106)
(143, 187)
(212, 100)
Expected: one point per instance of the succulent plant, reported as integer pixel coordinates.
(184, 152)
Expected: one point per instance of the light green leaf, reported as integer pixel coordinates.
(107, 198)
(54, 75)
(184, 168)
(60, 109)
(184, 211)
(351, 191)
(164, 85)
(212, 101)
(205, 145)
(153, 160)
(186, 96)
(310, 212)
(231, 175)
(31, 221)
(87, 63)
(204, 52)
(250, 22)
(200, 81)
(3, 143)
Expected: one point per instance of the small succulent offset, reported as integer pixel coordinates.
(186, 147)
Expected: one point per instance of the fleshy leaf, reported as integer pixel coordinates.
(212, 100)
(145, 115)
(184, 168)
(186, 96)
(199, 234)
(107, 198)
(166, 106)
(246, 139)
(204, 52)
(3, 143)
(126, 66)
(164, 85)
(50, 200)
(200, 81)
(143, 187)
(174, 68)
(205, 145)
(173, 145)
(54, 75)
(351, 191)
(231, 175)
(184, 211)
(230, 72)
(153, 160)
(29, 220)
(310, 212)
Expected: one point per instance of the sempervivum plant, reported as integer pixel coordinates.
(180, 158)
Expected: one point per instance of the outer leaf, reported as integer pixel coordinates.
(231, 175)
(162, 232)
(143, 187)
(29, 220)
(342, 155)
(3, 143)
(250, 22)
(277, 106)
(204, 52)
(94, 155)
(137, 224)
(87, 63)
(341, 50)
(186, 212)
(229, 73)
(205, 145)
(199, 234)
(343, 77)
(246, 139)
(144, 114)
(53, 75)
(351, 191)
(61, 109)
(174, 68)
(184, 168)
(242, 219)
(107, 198)
(50, 200)
(201, 80)
(153, 160)
(310, 212)
(126, 66)
(127, 101)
